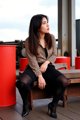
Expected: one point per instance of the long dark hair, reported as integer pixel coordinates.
(33, 41)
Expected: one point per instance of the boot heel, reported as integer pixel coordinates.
(52, 111)
(26, 110)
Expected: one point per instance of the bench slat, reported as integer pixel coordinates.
(75, 80)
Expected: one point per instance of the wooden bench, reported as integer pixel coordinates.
(73, 88)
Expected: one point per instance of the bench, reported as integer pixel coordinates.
(73, 88)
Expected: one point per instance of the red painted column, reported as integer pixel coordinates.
(7, 75)
(23, 63)
(77, 62)
(63, 59)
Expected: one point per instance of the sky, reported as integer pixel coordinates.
(15, 16)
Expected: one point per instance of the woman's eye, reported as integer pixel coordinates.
(44, 22)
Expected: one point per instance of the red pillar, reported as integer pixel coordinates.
(23, 63)
(7, 75)
(77, 62)
(63, 59)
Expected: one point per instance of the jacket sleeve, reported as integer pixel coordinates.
(32, 60)
(52, 57)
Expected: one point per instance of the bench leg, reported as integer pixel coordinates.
(65, 99)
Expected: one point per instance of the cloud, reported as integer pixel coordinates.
(15, 16)
(16, 9)
(48, 3)
(77, 9)
(12, 34)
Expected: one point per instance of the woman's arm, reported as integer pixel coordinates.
(35, 67)
(32, 60)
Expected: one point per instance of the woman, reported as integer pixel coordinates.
(41, 52)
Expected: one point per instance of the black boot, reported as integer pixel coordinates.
(24, 95)
(25, 110)
(52, 110)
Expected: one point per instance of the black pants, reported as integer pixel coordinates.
(55, 81)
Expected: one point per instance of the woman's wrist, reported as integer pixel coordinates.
(39, 75)
(47, 62)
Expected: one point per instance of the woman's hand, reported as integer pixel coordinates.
(41, 82)
(44, 66)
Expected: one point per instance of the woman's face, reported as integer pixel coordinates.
(44, 26)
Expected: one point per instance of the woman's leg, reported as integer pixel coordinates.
(56, 83)
(24, 95)
(24, 85)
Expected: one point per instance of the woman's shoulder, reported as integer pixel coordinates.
(52, 36)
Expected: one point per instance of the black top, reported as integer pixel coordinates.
(46, 53)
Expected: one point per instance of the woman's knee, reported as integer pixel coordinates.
(26, 80)
(63, 80)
